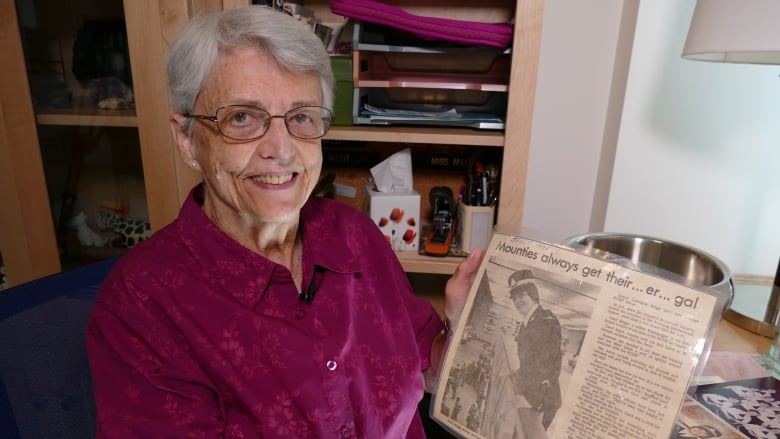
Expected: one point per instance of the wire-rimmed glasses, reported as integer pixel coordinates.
(247, 122)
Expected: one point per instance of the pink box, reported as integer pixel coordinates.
(397, 214)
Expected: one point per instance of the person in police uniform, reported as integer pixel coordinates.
(536, 381)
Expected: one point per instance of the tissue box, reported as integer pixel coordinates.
(397, 214)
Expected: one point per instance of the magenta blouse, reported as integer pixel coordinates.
(194, 335)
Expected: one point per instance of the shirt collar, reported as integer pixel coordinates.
(527, 317)
(323, 237)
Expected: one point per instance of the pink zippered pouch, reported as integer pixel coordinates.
(459, 31)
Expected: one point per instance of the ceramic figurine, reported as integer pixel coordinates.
(87, 236)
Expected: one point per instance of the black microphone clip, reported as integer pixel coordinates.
(308, 295)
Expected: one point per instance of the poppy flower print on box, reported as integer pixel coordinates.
(397, 216)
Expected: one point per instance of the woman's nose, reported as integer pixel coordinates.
(277, 142)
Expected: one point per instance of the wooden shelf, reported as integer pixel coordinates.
(383, 69)
(414, 262)
(86, 116)
(447, 136)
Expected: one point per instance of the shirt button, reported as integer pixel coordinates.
(299, 314)
(331, 365)
(344, 431)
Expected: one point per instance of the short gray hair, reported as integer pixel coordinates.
(202, 40)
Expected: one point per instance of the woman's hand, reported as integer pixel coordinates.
(455, 294)
(458, 286)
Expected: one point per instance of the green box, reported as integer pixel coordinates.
(342, 106)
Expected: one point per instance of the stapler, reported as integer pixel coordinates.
(443, 231)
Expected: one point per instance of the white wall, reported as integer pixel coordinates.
(698, 157)
(695, 156)
(586, 49)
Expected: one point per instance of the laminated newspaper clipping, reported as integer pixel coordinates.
(557, 343)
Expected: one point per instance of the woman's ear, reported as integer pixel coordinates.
(180, 131)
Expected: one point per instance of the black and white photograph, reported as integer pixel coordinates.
(524, 363)
(749, 406)
(696, 422)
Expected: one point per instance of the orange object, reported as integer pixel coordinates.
(438, 246)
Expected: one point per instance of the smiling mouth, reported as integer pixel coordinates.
(273, 179)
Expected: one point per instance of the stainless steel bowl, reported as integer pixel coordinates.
(686, 264)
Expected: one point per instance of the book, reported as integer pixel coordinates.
(555, 342)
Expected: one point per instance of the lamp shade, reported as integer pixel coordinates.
(735, 31)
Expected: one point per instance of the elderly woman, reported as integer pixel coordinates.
(261, 311)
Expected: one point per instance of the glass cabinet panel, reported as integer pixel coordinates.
(78, 66)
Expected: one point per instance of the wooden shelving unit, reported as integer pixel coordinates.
(414, 262)
(86, 116)
(448, 136)
(27, 241)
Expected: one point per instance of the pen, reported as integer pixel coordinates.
(477, 188)
(485, 190)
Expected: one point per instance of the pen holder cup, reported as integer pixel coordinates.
(475, 226)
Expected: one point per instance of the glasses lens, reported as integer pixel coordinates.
(242, 122)
(308, 122)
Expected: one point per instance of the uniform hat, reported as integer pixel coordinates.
(520, 283)
(519, 276)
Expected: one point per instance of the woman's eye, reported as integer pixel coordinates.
(240, 118)
(301, 119)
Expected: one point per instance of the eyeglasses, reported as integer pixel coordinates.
(247, 122)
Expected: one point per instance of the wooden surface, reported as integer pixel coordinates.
(526, 50)
(27, 239)
(731, 338)
(86, 116)
(414, 262)
(146, 22)
(445, 136)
